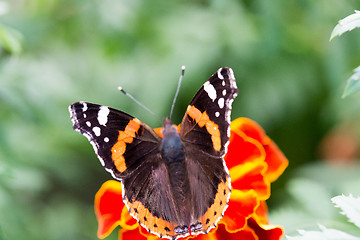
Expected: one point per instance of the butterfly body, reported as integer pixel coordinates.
(171, 148)
(176, 184)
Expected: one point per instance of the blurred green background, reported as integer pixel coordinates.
(290, 79)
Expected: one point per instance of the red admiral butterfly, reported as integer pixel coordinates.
(178, 184)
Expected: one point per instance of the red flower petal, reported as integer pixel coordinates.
(277, 162)
(139, 233)
(261, 213)
(275, 159)
(265, 232)
(241, 206)
(250, 176)
(221, 233)
(243, 149)
(110, 210)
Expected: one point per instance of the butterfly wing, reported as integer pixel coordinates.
(129, 150)
(205, 132)
(120, 141)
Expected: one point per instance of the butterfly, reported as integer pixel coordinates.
(176, 184)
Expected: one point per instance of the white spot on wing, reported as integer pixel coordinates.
(223, 83)
(224, 92)
(221, 102)
(96, 131)
(228, 112)
(106, 139)
(72, 115)
(103, 115)
(231, 75)
(88, 123)
(85, 107)
(209, 88)
(220, 76)
(217, 114)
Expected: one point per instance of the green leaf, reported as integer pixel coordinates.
(347, 24)
(350, 207)
(10, 39)
(353, 83)
(304, 190)
(324, 234)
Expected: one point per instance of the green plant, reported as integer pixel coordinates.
(347, 24)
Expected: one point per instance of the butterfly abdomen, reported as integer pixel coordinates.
(172, 151)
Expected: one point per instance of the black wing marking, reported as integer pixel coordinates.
(120, 141)
(213, 101)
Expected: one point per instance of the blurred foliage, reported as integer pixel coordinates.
(349, 206)
(347, 24)
(308, 198)
(10, 40)
(290, 80)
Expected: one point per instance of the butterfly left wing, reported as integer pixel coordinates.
(120, 141)
(205, 132)
(129, 150)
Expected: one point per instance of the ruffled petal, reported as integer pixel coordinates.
(261, 213)
(110, 210)
(243, 149)
(138, 233)
(250, 176)
(221, 233)
(241, 206)
(264, 231)
(276, 160)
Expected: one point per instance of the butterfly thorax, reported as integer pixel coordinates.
(171, 147)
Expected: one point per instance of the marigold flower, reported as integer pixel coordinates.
(253, 160)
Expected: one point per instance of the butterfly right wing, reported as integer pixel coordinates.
(205, 131)
(120, 141)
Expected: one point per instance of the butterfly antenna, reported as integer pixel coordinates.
(138, 103)
(177, 90)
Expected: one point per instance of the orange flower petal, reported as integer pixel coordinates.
(110, 210)
(132, 234)
(241, 206)
(250, 128)
(249, 176)
(242, 150)
(277, 162)
(275, 159)
(221, 233)
(261, 213)
(158, 131)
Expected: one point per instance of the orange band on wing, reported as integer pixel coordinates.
(216, 210)
(202, 119)
(152, 223)
(119, 148)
